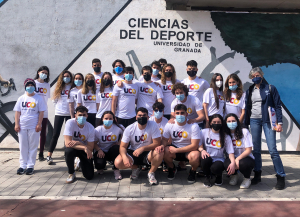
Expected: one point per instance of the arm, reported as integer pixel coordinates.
(156, 143)
(242, 116)
(205, 108)
(80, 146)
(203, 152)
(71, 108)
(200, 117)
(231, 168)
(17, 121)
(114, 104)
(38, 127)
(79, 104)
(97, 106)
(243, 155)
(192, 147)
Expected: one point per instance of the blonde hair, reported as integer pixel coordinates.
(60, 84)
(85, 89)
(163, 76)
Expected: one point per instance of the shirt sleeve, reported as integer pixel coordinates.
(97, 98)
(196, 133)
(247, 139)
(68, 128)
(155, 131)
(71, 98)
(243, 101)
(126, 135)
(229, 145)
(202, 139)
(116, 91)
(159, 93)
(206, 97)
(166, 133)
(197, 104)
(79, 99)
(206, 85)
(42, 104)
(96, 139)
(91, 137)
(17, 107)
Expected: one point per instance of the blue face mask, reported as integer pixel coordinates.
(118, 70)
(155, 71)
(256, 80)
(81, 120)
(67, 80)
(232, 125)
(234, 87)
(30, 89)
(180, 118)
(180, 97)
(108, 123)
(158, 114)
(78, 83)
(128, 77)
(43, 76)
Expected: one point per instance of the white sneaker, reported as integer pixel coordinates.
(118, 175)
(135, 173)
(233, 180)
(100, 172)
(76, 164)
(49, 160)
(71, 178)
(246, 183)
(152, 179)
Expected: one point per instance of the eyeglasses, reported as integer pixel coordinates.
(158, 110)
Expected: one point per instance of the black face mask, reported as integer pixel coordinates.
(147, 77)
(191, 73)
(106, 82)
(90, 83)
(97, 69)
(216, 127)
(142, 120)
(169, 74)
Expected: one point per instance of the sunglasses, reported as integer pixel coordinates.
(158, 110)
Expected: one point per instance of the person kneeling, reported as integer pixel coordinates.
(79, 140)
(145, 139)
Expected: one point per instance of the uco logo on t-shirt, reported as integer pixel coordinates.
(98, 81)
(180, 134)
(65, 92)
(89, 98)
(161, 131)
(221, 97)
(146, 90)
(109, 138)
(41, 90)
(167, 87)
(141, 138)
(106, 95)
(237, 142)
(234, 101)
(213, 142)
(28, 104)
(78, 135)
(189, 111)
(194, 86)
(129, 90)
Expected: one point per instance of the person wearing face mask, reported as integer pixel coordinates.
(213, 99)
(96, 65)
(158, 116)
(118, 70)
(213, 143)
(79, 138)
(145, 146)
(155, 76)
(62, 111)
(29, 113)
(234, 96)
(185, 141)
(72, 96)
(258, 98)
(107, 143)
(163, 62)
(43, 89)
(242, 145)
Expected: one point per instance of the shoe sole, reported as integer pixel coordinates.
(29, 174)
(134, 178)
(219, 184)
(49, 162)
(208, 186)
(71, 181)
(173, 177)
(232, 184)
(20, 173)
(191, 182)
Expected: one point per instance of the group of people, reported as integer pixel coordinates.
(152, 121)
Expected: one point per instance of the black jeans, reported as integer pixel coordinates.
(126, 122)
(208, 166)
(85, 163)
(246, 166)
(91, 119)
(58, 122)
(111, 155)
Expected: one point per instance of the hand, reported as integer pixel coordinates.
(278, 128)
(157, 84)
(100, 154)
(172, 150)
(38, 128)
(138, 151)
(191, 121)
(160, 149)
(126, 162)
(231, 169)
(88, 153)
(237, 164)
(17, 128)
(171, 121)
(120, 83)
(204, 154)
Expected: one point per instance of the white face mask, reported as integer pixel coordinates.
(219, 83)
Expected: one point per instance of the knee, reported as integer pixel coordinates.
(159, 155)
(69, 151)
(194, 156)
(167, 153)
(118, 161)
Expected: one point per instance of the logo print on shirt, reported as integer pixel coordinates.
(41, 90)
(180, 134)
(109, 138)
(189, 111)
(65, 92)
(161, 131)
(98, 81)
(141, 138)
(129, 90)
(221, 97)
(234, 101)
(89, 98)
(237, 142)
(78, 135)
(106, 95)
(167, 87)
(193, 87)
(29, 104)
(213, 142)
(146, 90)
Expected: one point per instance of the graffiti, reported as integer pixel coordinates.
(5, 122)
(10, 85)
(132, 54)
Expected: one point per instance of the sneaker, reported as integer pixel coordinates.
(41, 157)
(152, 179)
(29, 171)
(233, 180)
(219, 180)
(257, 177)
(77, 164)
(118, 175)
(213, 179)
(49, 160)
(71, 178)
(21, 171)
(192, 177)
(99, 172)
(246, 183)
(280, 182)
(206, 182)
(172, 172)
(135, 173)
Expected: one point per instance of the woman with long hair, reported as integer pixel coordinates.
(72, 97)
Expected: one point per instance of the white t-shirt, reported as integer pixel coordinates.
(98, 81)
(30, 106)
(84, 135)
(139, 138)
(127, 94)
(161, 125)
(212, 144)
(106, 138)
(116, 78)
(89, 100)
(62, 104)
(105, 101)
(148, 94)
(43, 89)
(209, 98)
(192, 103)
(154, 79)
(196, 87)
(182, 135)
(240, 146)
(168, 96)
(73, 96)
(234, 105)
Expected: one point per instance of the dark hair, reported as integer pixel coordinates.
(85, 89)
(239, 90)
(81, 108)
(221, 132)
(214, 87)
(161, 60)
(96, 61)
(128, 69)
(114, 119)
(238, 132)
(73, 84)
(180, 86)
(180, 107)
(60, 84)
(192, 63)
(163, 76)
(117, 61)
(41, 69)
(142, 109)
(146, 68)
(155, 62)
(102, 82)
(158, 105)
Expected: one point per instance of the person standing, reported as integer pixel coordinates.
(118, 67)
(155, 76)
(72, 97)
(96, 65)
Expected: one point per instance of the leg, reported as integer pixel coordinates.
(43, 135)
(87, 166)
(113, 153)
(246, 166)
(169, 157)
(155, 158)
(99, 162)
(58, 122)
(24, 147)
(119, 162)
(206, 164)
(194, 159)
(70, 154)
(33, 138)
(98, 121)
(256, 130)
(131, 121)
(122, 122)
(217, 168)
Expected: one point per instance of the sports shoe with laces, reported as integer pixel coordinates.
(49, 160)
(29, 171)
(41, 157)
(21, 171)
(117, 174)
(77, 164)
(192, 176)
(172, 172)
(206, 182)
(233, 180)
(152, 179)
(135, 173)
(71, 178)
(219, 180)
(246, 183)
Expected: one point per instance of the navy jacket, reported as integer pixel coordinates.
(268, 99)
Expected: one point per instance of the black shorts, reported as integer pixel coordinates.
(142, 159)
(180, 156)
(126, 122)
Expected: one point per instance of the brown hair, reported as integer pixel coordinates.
(73, 84)
(60, 84)
(180, 86)
(163, 77)
(239, 90)
(85, 89)
(214, 87)
(102, 82)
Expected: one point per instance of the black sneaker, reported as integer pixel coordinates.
(219, 180)
(49, 160)
(280, 182)
(206, 182)
(21, 171)
(172, 172)
(192, 176)
(41, 157)
(29, 171)
(213, 179)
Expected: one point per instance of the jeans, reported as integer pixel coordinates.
(256, 125)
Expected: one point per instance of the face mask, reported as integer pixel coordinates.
(256, 80)
(219, 83)
(191, 73)
(97, 69)
(128, 77)
(234, 87)
(106, 82)
(142, 120)
(118, 70)
(81, 120)
(155, 71)
(107, 123)
(43, 76)
(90, 83)
(180, 97)
(78, 83)
(30, 89)
(67, 80)
(147, 77)
(158, 114)
(232, 125)
(216, 127)
(168, 74)
(180, 118)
